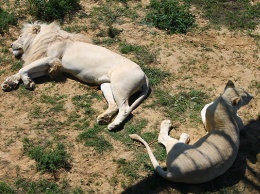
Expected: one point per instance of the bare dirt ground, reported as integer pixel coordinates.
(201, 59)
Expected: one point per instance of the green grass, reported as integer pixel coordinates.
(6, 189)
(47, 157)
(170, 15)
(111, 13)
(49, 10)
(93, 137)
(232, 14)
(84, 102)
(42, 186)
(186, 104)
(6, 19)
(56, 101)
(133, 126)
(155, 75)
(16, 65)
(76, 28)
(142, 55)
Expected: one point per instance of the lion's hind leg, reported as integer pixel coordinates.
(106, 116)
(123, 86)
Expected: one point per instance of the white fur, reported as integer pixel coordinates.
(213, 154)
(42, 46)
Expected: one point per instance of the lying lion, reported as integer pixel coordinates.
(213, 154)
(46, 47)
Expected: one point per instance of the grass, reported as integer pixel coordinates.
(51, 123)
(93, 137)
(110, 13)
(47, 158)
(6, 189)
(186, 104)
(85, 102)
(56, 101)
(232, 14)
(170, 15)
(6, 19)
(51, 10)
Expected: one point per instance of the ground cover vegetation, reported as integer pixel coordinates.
(188, 49)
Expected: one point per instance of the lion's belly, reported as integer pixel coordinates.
(91, 63)
(86, 73)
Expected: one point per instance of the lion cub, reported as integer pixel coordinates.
(213, 154)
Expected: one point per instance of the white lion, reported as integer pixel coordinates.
(213, 154)
(45, 47)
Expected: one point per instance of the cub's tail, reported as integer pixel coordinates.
(155, 163)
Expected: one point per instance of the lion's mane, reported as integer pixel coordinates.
(42, 36)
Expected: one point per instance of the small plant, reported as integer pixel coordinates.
(170, 15)
(6, 19)
(47, 158)
(49, 10)
(93, 138)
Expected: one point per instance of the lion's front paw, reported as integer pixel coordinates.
(29, 84)
(10, 83)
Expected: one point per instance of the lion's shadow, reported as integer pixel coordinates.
(249, 148)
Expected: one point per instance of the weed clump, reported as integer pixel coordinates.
(47, 159)
(49, 10)
(170, 15)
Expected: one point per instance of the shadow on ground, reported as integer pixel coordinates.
(248, 152)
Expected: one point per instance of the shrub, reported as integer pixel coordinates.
(6, 19)
(47, 159)
(49, 10)
(170, 15)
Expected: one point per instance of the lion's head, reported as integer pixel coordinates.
(35, 39)
(24, 41)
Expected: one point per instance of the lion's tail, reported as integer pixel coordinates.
(143, 94)
(155, 163)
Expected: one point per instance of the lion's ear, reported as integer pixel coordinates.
(230, 84)
(235, 101)
(36, 29)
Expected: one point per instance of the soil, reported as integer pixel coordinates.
(201, 59)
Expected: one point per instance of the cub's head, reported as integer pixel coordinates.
(21, 45)
(238, 96)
